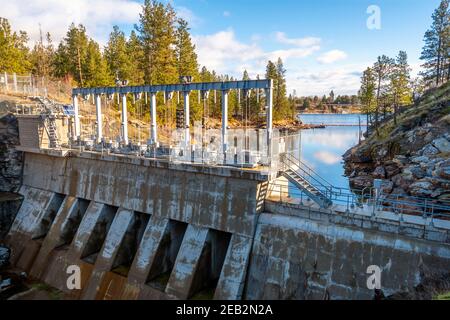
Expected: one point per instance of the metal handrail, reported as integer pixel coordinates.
(295, 160)
(399, 204)
(320, 184)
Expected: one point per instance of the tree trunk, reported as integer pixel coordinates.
(395, 113)
(79, 66)
(448, 70)
(377, 108)
(438, 71)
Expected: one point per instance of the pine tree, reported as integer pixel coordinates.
(281, 104)
(116, 55)
(156, 32)
(71, 54)
(436, 49)
(95, 68)
(331, 100)
(272, 73)
(187, 64)
(245, 75)
(135, 53)
(400, 83)
(382, 69)
(13, 49)
(42, 56)
(367, 92)
(277, 73)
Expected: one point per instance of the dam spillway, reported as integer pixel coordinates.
(67, 198)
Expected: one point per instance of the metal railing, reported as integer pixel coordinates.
(354, 200)
(289, 161)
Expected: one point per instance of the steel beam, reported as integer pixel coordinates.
(269, 106)
(77, 131)
(187, 137)
(124, 120)
(98, 108)
(153, 133)
(203, 86)
(224, 121)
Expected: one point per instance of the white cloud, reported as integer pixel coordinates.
(220, 51)
(224, 53)
(55, 16)
(312, 80)
(332, 56)
(226, 13)
(298, 42)
(188, 15)
(327, 157)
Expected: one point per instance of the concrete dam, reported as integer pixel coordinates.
(172, 225)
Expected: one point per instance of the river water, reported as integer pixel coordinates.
(322, 149)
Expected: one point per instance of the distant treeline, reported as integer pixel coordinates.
(327, 103)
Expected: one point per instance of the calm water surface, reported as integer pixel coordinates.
(322, 149)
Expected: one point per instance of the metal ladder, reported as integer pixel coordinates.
(50, 125)
(306, 180)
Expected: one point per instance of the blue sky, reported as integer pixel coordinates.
(325, 43)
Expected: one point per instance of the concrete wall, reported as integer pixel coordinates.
(86, 209)
(299, 258)
(217, 198)
(34, 135)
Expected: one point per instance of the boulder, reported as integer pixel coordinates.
(400, 161)
(420, 159)
(429, 150)
(421, 189)
(358, 154)
(417, 172)
(392, 170)
(5, 254)
(399, 192)
(361, 182)
(379, 173)
(444, 172)
(442, 144)
(429, 137)
(387, 186)
(402, 181)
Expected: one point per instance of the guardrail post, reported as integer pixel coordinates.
(15, 81)
(6, 82)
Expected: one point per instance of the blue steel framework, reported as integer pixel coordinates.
(152, 90)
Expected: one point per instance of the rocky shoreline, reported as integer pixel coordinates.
(412, 157)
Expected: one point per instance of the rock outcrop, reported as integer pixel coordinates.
(413, 157)
(10, 157)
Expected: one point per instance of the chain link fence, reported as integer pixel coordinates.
(34, 86)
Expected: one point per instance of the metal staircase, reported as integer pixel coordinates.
(306, 180)
(50, 125)
(51, 108)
